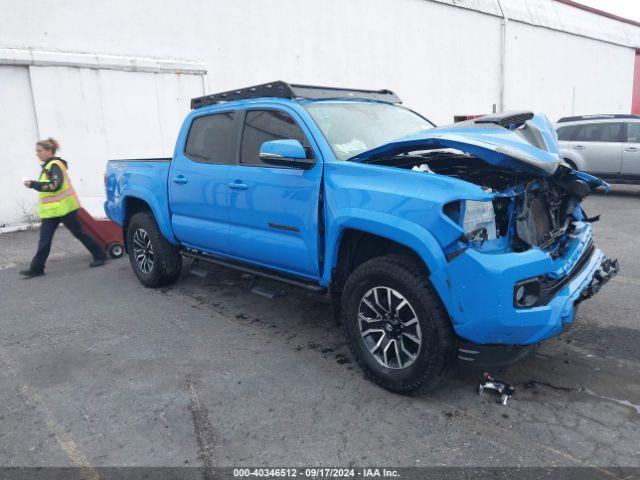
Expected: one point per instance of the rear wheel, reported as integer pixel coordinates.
(154, 260)
(396, 325)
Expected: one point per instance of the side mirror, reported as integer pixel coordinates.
(285, 153)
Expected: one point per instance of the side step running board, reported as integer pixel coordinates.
(199, 272)
(255, 287)
(257, 271)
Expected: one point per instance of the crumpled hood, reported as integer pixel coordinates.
(528, 144)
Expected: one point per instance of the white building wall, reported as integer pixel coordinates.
(560, 74)
(18, 135)
(442, 57)
(418, 48)
(95, 113)
(98, 115)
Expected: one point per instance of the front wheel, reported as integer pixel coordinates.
(154, 260)
(396, 326)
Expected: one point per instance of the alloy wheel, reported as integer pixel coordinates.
(143, 250)
(389, 327)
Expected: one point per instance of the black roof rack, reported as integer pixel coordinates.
(282, 89)
(599, 116)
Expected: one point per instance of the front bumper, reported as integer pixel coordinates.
(477, 290)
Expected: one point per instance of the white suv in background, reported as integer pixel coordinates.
(607, 146)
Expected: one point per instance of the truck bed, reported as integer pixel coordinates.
(143, 178)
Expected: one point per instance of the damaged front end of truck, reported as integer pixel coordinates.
(521, 255)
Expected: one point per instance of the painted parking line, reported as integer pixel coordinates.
(32, 398)
(66, 443)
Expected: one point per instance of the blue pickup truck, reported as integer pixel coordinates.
(437, 246)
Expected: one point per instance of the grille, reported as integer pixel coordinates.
(550, 286)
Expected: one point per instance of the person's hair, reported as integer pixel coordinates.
(50, 144)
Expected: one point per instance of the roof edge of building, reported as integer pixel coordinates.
(49, 58)
(561, 15)
(597, 11)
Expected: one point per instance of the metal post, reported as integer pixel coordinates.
(503, 56)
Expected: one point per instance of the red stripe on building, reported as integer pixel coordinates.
(635, 96)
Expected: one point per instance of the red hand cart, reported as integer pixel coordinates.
(105, 232)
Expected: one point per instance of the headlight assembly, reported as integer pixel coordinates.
(476, 218)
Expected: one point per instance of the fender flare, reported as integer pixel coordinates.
(146, 195)
(404, 232)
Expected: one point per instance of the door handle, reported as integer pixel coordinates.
(630, 149)
(578, 147)
(181, 179)
(238, 185)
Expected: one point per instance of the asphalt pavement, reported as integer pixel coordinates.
(97, 370)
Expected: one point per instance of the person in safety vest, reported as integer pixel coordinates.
(57, 203)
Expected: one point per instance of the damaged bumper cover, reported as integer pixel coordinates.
(608, 269)
(478, 289)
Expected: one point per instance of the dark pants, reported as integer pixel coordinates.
(48, 228)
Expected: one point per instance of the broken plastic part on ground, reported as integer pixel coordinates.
(489, 383)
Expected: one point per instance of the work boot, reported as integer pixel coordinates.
(31, 273)
(98, 263)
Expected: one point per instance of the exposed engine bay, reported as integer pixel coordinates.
(528, 210)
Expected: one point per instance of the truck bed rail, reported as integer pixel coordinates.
(167, 159)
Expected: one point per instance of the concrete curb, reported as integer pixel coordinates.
(19, 228)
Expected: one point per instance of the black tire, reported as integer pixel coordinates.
(433, 358)
(166, 261)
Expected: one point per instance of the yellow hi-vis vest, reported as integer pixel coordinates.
(62, 201)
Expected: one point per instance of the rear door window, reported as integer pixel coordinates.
(265, 125)
(565, 133)
(633, 132)
(211, 139)
(598, 132)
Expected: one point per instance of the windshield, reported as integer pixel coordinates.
(355, 127)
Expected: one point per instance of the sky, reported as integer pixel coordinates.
(624, 8)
